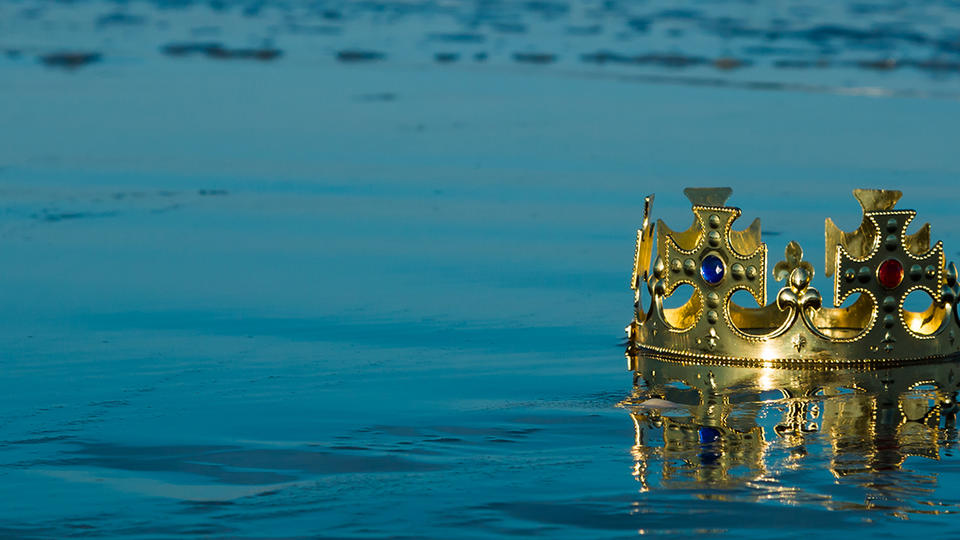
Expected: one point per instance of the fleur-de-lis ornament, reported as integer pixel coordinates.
(797, 272)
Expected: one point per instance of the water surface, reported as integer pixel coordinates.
(361, 269)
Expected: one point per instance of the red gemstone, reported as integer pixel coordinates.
(890, 273)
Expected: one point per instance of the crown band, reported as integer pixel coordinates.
(878, 260)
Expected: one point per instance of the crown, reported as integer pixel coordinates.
(878, 260)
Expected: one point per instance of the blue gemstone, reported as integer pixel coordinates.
(711, 268)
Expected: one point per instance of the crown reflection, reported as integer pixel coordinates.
(879, 261)
(732, 427)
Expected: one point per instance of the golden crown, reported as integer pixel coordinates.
(879, 260)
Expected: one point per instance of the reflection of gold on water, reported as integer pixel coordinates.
(867, 421)
(765, 379)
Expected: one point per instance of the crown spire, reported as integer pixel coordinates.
(877, 199)
(708, 196)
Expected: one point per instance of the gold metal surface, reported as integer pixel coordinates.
(708, 196)
(872, 200)
(641, 259)
(795, 327)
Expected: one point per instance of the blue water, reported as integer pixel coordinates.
(350, 290)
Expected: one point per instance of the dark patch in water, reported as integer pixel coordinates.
(322, 30)
(727, 63)
(39, 440)
(205, 31)
(878, 36)
(871, 9)
(262, 54)
(382, 97)
(464, 37)
(934, 65)
(509, 28)
(488, 433)
(220, 52)
(767, 50)
(878, 65)
(528, 431)
(640, 24)
(547, 9)
(117, 450)
(212, 192)
(603, 57)
(252, 10)
(592, 30)
(31, 13)
(188, 48)
(165, 209)
(800, 64)
(27, 533)
(109, 403)
(446, 57)
(679, 14)
(668, 60)
(358, 55)
(51, 216)
(120, 19)
(535, 58)
(204, 507)
(398, 431)
(70, 60)
(873, 35)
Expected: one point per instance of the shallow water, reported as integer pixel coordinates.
(324, 293)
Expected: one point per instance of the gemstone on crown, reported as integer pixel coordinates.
(879, 262)
(711, 269)
(890, 273)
